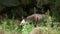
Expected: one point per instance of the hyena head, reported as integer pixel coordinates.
(23, 22)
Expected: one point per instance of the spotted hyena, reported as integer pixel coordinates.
(34, 18)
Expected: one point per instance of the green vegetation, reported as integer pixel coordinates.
(19, 8)
(11, 26)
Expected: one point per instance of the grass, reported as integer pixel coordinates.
(11, 26)
(27, 28)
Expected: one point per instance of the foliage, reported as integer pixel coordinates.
(10, 26)
(27, 28)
